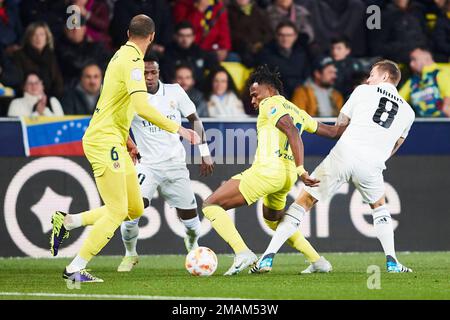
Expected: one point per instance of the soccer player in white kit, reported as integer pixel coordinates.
(163, 161)
(376, 121)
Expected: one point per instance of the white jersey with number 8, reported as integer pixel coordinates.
(379, 117)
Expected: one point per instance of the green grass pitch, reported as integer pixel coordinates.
(164, 277)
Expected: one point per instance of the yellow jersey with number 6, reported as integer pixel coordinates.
(273, 148)
(112, 117)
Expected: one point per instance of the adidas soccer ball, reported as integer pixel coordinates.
(201, 262)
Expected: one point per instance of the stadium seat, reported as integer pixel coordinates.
(238, 72)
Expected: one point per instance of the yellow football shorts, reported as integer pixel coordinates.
(112, 156)
(271, 184)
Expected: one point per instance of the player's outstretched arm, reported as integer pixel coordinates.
(151, 114)
(286, 126)
(336, 131)
(207, 166)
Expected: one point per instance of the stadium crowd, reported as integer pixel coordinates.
(322, 49)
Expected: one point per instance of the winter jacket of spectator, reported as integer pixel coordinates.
(218, 36)
(45, 64)
(427, 91)
(297, 14)
(441, 38)
(247, 31)
(10, 25)
(228, 105)
(26, 107)
(74, 56)
(9, 73)
(331, 18)
(294, 69)
(345, 70)
(125, 10)
(196, 57)
(98, 22)
(305, 98)
(401, 32)
(75, 101)
(53, 12)
(200, 103)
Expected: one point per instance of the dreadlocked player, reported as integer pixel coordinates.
(278, 162)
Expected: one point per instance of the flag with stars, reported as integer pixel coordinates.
(61, 136)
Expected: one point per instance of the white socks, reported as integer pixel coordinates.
(72, 221)
(286, 228)
(77, 264)
(382, 222)
(193, 225)
(130, 232)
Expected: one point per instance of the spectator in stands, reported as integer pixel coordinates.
(9, 73)
(53, 12)
(282, 10)
(331, 18)
(210, 21)
(34, 102)
(10, 26)
(75, 51)
(96, 13)
(318, 97)
(83, 99)
(37, 55)
(222, 95)
(184, 76)
(403, 28)
(441, 33)
(345, 64)
(183, 50)
(289, 57)
(158, 10)
(428, 90)
(249, 29)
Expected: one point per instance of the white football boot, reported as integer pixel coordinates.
(320, 266)
(241, 261)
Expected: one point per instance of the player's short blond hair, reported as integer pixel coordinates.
(391, 68)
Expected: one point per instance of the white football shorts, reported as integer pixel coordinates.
(333, 172)
(172, 182)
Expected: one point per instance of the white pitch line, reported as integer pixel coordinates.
(109, 296)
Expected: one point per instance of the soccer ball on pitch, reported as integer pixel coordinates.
(201, 262)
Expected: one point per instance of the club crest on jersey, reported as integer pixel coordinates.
(116, 165)
(172, 104)
(136, 74)
(272, 110)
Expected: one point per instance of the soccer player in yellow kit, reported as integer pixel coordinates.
(124, 93)
(278, 162)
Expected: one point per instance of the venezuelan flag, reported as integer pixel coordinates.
(55, 135)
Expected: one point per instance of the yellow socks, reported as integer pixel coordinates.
(100, 234)
(298, 242)
(224, 226)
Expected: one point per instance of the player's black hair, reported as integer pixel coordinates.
(150, 56)
(141, 26)
(263, 74)
(341, 39)
(183, 25)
